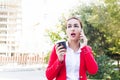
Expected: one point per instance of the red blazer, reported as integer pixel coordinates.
(56, 70)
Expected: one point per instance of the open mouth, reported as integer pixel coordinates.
(73, 34)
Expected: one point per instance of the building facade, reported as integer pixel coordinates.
(10, 26)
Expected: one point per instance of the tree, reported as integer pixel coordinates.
(101, 24)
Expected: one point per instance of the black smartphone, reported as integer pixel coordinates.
(81, 35)
(63, 43)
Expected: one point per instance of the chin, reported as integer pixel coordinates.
(73, 39)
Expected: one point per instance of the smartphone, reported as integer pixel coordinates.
(63, 43)
(81, 40)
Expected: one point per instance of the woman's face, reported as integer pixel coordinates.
(73, 29)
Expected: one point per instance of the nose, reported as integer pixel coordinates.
(72, 28)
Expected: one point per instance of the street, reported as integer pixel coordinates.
(23, 75)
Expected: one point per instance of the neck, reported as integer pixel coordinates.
(75, 45)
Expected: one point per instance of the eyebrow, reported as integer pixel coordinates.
(69, 24)
(76, 24)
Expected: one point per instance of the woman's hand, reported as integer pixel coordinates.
(83, 38)
(60, 52)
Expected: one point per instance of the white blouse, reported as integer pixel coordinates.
(72, 63)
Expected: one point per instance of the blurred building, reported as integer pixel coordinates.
(10, 26)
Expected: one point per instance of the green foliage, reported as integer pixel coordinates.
(96, 36)
(96, 39)
(108, 23)
(101, 25)
(105, 67)
(54, 36)
(115, 75)
(47, 57)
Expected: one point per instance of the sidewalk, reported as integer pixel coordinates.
(23, 75)
(22, 72)
(14, 67)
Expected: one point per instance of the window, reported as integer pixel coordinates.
(3, 13)
(3, 37)
(3, 32)
(3, 25)
(3, 19)
(2, 42)
(13, 47)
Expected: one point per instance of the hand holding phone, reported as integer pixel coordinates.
(83, 38)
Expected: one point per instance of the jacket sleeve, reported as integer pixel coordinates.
(54, 66)
(90, 62)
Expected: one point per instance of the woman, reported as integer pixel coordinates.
(73, 62)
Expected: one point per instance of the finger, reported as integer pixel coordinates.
(81, 37)
(82, 33)
(62, 50)
(61, 53)
(57, 47)
(60, 47)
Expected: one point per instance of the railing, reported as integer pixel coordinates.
(22, 60)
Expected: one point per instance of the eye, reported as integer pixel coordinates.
(69, 26)
(75, 25)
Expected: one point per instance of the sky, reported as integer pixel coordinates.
(38, 15)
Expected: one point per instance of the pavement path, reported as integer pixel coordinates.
(34, 72)
(23, 75)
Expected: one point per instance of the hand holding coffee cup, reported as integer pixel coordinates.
(61, 49)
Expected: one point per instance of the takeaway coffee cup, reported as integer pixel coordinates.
(63, 43)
